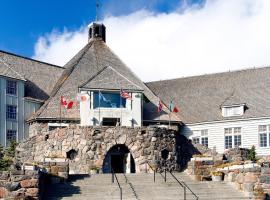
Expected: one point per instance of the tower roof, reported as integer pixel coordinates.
(93, 59)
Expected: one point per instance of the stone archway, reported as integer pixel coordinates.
(119, 159)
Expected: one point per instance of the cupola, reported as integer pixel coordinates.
(97, 30)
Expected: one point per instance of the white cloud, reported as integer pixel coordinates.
(221, 36)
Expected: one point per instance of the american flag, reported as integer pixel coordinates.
(125, 95)
(160, 106)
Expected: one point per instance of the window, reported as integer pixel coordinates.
(11, 112)
(232, 111)
(196, 140)
(232, 137)
(108, 100)
(264, 135)
(11, 136)
(200, 137)
(11, 87)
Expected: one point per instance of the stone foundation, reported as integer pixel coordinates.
(85, 147)
(19, 185)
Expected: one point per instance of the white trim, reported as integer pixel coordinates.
(226, 120)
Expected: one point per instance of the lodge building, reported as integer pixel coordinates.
(221, 111)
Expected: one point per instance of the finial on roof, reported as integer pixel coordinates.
(97, 10)
(96, 29)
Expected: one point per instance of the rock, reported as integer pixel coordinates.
(250, 178)
(3, 192)
(264, 179)
(31, 192)
(240, 178)
(29, 183)
(13, 186)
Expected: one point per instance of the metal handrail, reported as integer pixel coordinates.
(185, 187)
(155, 171)
(120, 188)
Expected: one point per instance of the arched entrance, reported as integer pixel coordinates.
(119, 159)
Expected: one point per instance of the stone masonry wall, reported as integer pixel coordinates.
(19, 185)
(90, 145)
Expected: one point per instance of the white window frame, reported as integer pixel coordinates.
(201, 134)
(264, 131)
(233, 111)
(232, 132)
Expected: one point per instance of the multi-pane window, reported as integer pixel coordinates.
(196, 140)
(11, 135)
(108, 100)
(232, 137)
(200, 137)
(264, 135)
(11, 112)
(233, 111)
(11, 87)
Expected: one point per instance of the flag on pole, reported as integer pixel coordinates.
(82, 97)
(69, 105)
(101, 97)
(173, 108)
(63, 101)
(125, 95)
(160, 106)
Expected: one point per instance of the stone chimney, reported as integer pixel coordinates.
(97, 30)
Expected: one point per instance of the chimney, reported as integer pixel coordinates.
(97, 30)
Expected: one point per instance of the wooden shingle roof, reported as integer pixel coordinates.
(110, 79)
(91, 60)
(199, 98)
(40, 76)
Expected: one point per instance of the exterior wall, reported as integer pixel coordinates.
(30, 107)
(249, 133)
(131, 115)
(92, 145)
(17, 100)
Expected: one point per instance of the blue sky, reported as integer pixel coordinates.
(23, 22)
(168, 37)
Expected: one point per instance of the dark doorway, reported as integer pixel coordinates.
(110, 121)
(117, 163)
(119, 159)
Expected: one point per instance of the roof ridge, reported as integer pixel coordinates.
(31, 59)
(212, 74)
(54, 91)
(7, 65)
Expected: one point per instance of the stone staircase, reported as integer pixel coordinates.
(140, 187)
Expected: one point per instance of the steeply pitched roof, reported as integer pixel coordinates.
(7, 71)
(109, 78)
(40, 76)
(91, 60)
(199, 98)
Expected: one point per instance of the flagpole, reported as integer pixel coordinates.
(60, 114)
(120, 109)
(99, 96)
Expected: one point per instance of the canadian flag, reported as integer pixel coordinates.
(64, 103)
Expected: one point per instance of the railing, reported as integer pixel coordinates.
(120, 188)
(185, 187)
(155, 171)
(181, 183)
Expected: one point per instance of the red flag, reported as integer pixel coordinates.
(70, 104)
(63, 101)
(175, 110)
(160, 106)
(125, 95)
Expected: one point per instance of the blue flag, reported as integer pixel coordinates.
(102, 98)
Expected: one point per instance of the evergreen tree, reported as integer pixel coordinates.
(252, 154)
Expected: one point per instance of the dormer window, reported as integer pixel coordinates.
(233, 111)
